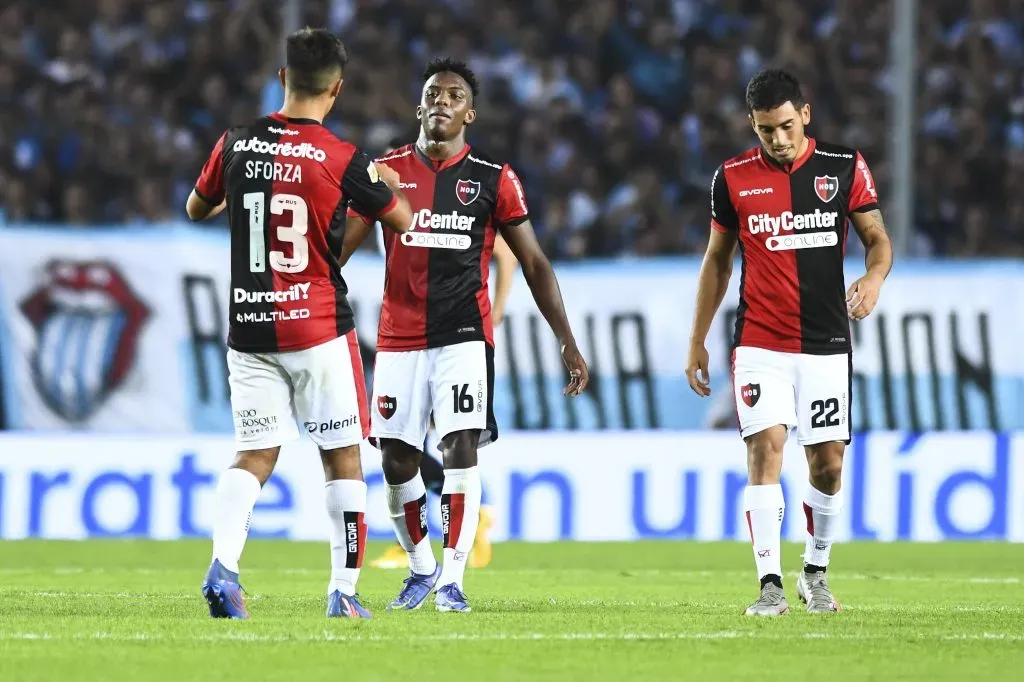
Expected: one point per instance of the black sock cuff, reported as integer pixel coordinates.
(772, 578)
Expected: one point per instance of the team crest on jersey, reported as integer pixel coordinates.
(87, 321)
(750, 393)
(387, 405)
(826, 187)
(467, 191)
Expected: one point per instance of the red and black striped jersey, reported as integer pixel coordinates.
(792, 224)
(287, 183)
(436, 282)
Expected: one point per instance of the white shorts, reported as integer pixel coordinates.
(455, 383)
(809, 392)
(323, 387)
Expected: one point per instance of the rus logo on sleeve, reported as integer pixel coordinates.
(87, 321)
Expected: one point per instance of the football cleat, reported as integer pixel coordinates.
(813, 590)
(344, 606)
(451, 598)
(417, 589)
(772, 602)
(223, 593)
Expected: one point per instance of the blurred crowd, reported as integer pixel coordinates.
(614, 113)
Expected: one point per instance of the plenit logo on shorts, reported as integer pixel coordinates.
(334, 425)
(750, 393)
(303, 150)
(766, 223)
(387, 405)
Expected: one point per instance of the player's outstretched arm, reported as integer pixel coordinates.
(198, 208)
(505, 261)
(863, 294)
(712, 284)
(356, 230)
(540, 277)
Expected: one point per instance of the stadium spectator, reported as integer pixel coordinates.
(613, 112)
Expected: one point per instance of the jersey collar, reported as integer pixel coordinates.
(438, 166)
(789, 168)
(296, 121)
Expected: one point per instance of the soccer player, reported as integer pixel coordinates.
(786, 203)
(285, 180)
(431, 468)
(435, 348)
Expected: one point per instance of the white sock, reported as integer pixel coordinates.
(237, 492)
(407, 503)
(346, 507)
(460, 515)
(765, 506)
(822, 512)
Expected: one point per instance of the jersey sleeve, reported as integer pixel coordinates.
(723, 213)
(863, 195)
(210, 185)
(510, 205)
(367, 193)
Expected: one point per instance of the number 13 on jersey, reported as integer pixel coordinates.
(295, 234)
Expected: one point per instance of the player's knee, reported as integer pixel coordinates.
(342, 463)
(764, 457)
(460, 449)
(825, 463)
(399, 460)
(259, 463)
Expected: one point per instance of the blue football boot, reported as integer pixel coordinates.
(344, 606)
(417, 589)
(451, 598)
(223, 593)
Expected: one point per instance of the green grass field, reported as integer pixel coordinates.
(638, 611)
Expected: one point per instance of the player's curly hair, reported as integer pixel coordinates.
(456, 66)
(772, 88)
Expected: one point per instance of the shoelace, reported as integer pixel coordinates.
(820, 591)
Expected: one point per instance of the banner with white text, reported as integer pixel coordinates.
(123, 330)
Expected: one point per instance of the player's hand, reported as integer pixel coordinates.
(388, 174)
(697, 370)
(579, 375)
(862, 297)
(497, 315)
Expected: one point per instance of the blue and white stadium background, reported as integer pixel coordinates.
(117, 422)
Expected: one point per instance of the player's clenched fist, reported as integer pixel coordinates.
(697, 370)
(388, 175)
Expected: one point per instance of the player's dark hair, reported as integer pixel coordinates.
(459, 68)
(315, 59)
(772, 88)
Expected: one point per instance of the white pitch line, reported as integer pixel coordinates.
(327, 636)
(839, 576)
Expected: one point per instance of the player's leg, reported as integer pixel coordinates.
(766, 409)
(330, 399)
(432, 474)
(399, 424)
(461, 386)
(432, 471)
(823, 408)
(263, 420)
